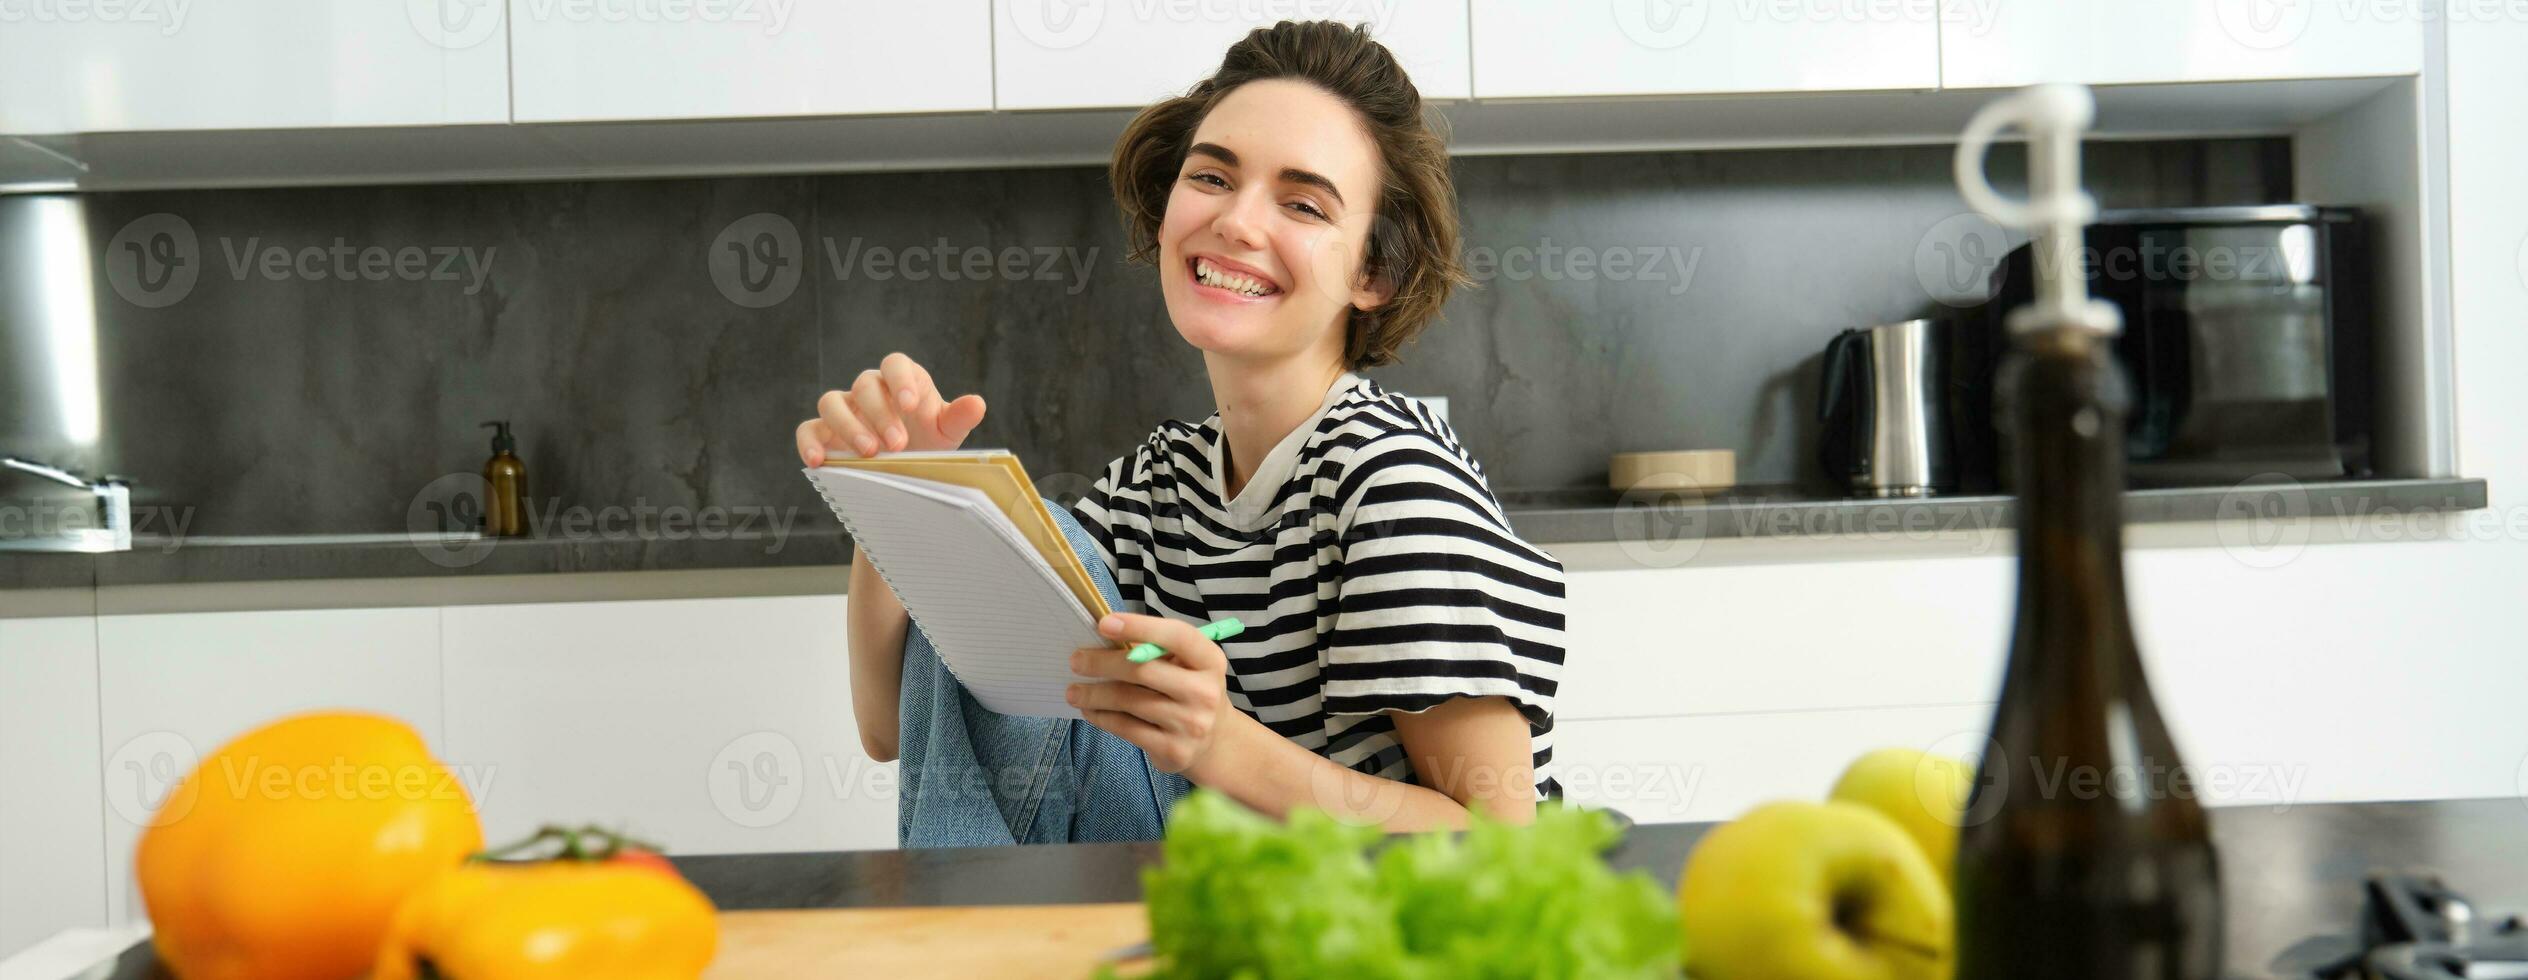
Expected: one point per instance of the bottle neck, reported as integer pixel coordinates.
(2067, 406)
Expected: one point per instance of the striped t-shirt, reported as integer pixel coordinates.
(1368, 559)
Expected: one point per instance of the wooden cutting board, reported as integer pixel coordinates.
(1065, 941)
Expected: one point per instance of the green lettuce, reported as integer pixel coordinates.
(1240, 895)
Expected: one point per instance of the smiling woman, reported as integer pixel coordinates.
(1334, 110)
(1401, 646)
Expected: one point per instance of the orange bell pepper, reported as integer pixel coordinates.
(284, 855)
(603, 907)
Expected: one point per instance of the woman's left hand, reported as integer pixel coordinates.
(1174, 707)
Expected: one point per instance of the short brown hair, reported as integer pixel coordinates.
(1413, 240)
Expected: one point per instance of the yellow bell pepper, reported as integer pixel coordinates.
(285, 853)
(614, 910)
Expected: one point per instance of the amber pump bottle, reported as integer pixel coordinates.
(505, 491)
(2084, 852)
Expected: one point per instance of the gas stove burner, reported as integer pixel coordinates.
(2414, 927)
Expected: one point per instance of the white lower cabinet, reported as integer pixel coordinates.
(52, 857)
(172, 687)
(1645, 643)
(706, 725)
(1713, 767)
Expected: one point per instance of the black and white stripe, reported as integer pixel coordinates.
(1374, 572)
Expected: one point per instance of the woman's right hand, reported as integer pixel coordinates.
(893, 407)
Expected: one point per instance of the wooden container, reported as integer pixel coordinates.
(1686, 470)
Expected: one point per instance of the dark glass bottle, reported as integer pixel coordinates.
(2085, 853)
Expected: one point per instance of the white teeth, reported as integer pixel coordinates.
(1210, 275)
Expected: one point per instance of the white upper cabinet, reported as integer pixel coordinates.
(267, 64)
(585, 60)
(2004, 43)
(1555, 48)
(1079, 54)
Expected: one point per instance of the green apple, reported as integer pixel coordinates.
(1923, 793)
(1813, 891)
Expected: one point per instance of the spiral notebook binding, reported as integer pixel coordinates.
(863, 550)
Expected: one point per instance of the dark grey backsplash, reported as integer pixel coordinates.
(288, 399)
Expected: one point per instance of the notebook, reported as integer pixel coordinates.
(965, 542)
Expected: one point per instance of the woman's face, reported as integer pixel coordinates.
(1261, 248)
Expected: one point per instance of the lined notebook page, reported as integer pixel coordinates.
(1000, 618)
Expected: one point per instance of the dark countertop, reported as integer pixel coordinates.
(1654, 520)
(393, 556)
(1657, 518)
(2291, 875)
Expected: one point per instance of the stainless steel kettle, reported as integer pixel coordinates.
(1885, 405)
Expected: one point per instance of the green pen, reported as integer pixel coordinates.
(1217, 631)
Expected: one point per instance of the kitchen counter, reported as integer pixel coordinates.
(1655, 520)
(287, 558)
(1572, 516)
(2292, 876)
